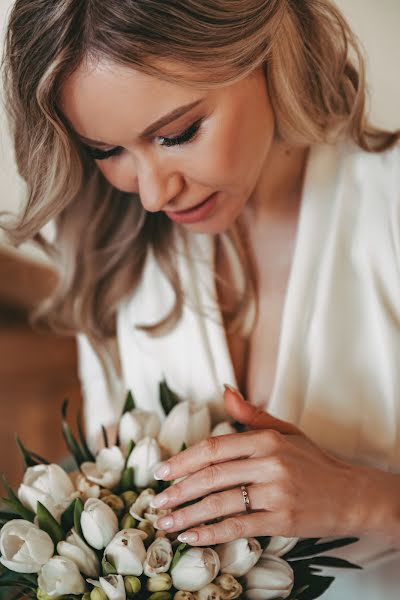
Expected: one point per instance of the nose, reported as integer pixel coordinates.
(157, 185)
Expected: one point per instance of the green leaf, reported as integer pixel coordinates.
(168, 398)
(131, 446)
(332, 561)
(181, 549)
(69, 438)
(129, 403)
(105, 437)
(48, 523)
(127, 482)
(183, 447)
(67, 518)
(8, 516)
(78, 510)
(316, 587)
(29, 457)
(85, 448)
(17, 507)
(311, 548)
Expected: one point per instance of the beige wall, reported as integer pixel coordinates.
(376, 23)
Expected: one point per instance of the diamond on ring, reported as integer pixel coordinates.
(245, 496)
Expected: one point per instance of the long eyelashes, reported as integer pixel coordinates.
(183, 138)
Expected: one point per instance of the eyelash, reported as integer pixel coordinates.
(185, 137)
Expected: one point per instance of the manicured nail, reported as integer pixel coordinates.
(232, 389)
(161, 471)
(159, 501)
(189, 537)
(165, 522)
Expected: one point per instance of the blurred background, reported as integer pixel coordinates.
(38, 371)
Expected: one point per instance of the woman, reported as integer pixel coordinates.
(225, 213)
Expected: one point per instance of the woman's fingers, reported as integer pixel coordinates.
(250, 444)
(214, 478)
(254, 416)
(213, 507)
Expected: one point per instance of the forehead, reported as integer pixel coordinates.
(105, 101)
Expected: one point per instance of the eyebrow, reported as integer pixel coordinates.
(161, 122)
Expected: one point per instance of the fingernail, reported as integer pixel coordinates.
(189, 537)
(162, 470)
(159, 501)
(232, 389)
(165, 522)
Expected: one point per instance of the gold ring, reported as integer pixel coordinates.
(246, 499)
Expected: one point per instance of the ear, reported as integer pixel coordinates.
(252, 416)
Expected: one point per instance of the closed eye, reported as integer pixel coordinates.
(183, 138)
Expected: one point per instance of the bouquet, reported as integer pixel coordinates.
(92, 534)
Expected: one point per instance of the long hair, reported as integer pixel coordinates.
(315, 77)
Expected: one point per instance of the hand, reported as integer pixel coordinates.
(295, 488)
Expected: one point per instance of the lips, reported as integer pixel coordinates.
(195, 214)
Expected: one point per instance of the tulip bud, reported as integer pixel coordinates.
(98, 594)
(132, 585)
(229, 585)
(210, 592)
(127, 552)
(105, 492)
(159, 583)
(272, 577)
(113, 586)
(137, 424)
(148, 528)
(238, 556)
(159, 557)
(115, 503)
(24, 547)
(80, 553)
(48, 484)
(279, 545)
(99, 523)
(187, 423)
(60, 576)
(195, 569)
(107, 469)
(181, 595)
(144, 457)
(160, 596)
(129, 498)
(128, 522)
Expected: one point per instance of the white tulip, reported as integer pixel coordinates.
(99, 523)
(113, 587)
(239, 556)
(48, 484)
(86, 488)
(187, 423)
(230, 586)
(60, 576)
(142, 509)
(136, 425)
(272, 577)
(279, 545)
(144, 458)
(76, 550)
(24, 547)
(107, 469)
(158, 558)
(223, 428)
(126, 552)
(196, 568)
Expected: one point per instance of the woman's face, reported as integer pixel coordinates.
(177, 147)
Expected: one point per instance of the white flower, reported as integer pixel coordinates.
(144, 457)
(272, 577)
(187, 423)
(76, 550)
(230, 586)
(48, 484)
(86, 488)
(141, 509)
(113, 586)
(279, 545)
(60, 576)
(195, 569)
(210, 592)
(24, 547)
(223, 428)
(126, 552)
(239, 556)
(99, 523)
(158, 558)
(136, 425)
(107, 469)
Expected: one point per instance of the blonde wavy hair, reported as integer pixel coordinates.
(315, 75)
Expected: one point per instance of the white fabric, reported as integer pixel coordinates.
(338, 374)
